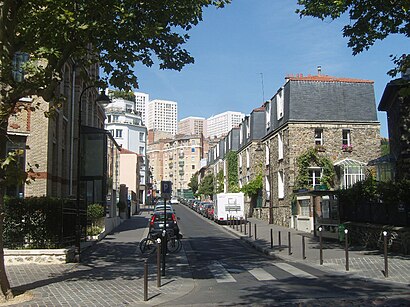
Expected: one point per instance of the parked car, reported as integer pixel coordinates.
(203, 207)
(157, 222)
(174, 201)
(160, 207)
(210, 212)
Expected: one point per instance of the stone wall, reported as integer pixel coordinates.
(39, 256)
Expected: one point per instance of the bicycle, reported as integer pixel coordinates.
(149, 244)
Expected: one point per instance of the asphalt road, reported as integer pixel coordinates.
(228, 272)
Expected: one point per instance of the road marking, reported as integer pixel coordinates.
(220, 273)
(293, 270)
(261, 274)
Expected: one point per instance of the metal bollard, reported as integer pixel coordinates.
(289, 244)
(303, 248)
(254, 226)
(145, 280)
(386, 266)
(250, 230)
(240, 224)
(279, 240)
(227, 219)
(245, 225)
(271, 238)
(159, 262)
(347, 249)
(236, 224)
(321, 246)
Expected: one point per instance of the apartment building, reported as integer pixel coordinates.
(141, 105)
(192, 125)
(220, 124)
(126, 126)
(162, 115)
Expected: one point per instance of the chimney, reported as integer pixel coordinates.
(319, 70)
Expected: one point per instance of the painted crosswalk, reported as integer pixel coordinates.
(223, 273)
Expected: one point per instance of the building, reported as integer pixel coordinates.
(162, 115)
(141, 105)
(128, 130)
(316, 125)
(397, 106)
(192, 125)
(220, 124)
(130, 165)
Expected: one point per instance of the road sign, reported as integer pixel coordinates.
(166, 189)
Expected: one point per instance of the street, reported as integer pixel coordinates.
(227, 271)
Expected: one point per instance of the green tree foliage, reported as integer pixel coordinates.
(232, 165)
(113, 33)
(369, 21)
(206, 187)
(193, 183)
(312, 158)
(127, 95)
(252, 188)
(220, 182)
(385, 147)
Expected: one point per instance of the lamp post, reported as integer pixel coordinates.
(102, 100)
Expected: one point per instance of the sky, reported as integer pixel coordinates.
(244, 51)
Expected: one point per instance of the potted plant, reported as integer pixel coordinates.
(347, 148)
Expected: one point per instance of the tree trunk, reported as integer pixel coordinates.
(4, 282)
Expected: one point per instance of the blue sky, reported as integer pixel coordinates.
(250, 40)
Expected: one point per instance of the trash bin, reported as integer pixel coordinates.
(342, 232)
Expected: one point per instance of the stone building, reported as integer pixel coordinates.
(336, 117)
(250, 157)
(397, 106)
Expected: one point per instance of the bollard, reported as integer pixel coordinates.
(386, 266)
(236, 224)
(279, 240)
(321, 246)
(271, 238)
(303, 248)
(227, 219)
(254, 225)
(240, 224)
(347, 250)
(250, 230)
(245, 225)
(145, 280)
(164, 250)
(289, 244)
(159, 262)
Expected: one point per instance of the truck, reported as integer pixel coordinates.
(228, 206)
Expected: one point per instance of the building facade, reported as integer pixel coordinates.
(192, 125)
(162, 115)
(141, 105)
(220, 124)
(126, 126)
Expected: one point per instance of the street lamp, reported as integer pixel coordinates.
(102, 100)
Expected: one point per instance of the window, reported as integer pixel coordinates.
(247, 158)
(142, 136)
(267, 154)
(267, 187)
(315, 173)
(112, 132)
(240, 160)
(193, 166)
(18, 60)
(304, 207)
(193, 149)
(318, 136)
(115, 118)
(346, 137)
(279, 104)
(351, 172)
(141, 150)
(267, 114)
(109, 118)
(280, 146)
(281, 185)
(118, 133)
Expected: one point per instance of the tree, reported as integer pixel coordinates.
(38, 37)
(369, 21)
(193, 183)
(127, 95)
(232, 166)
(206, 187)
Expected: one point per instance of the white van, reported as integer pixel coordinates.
(229, 205)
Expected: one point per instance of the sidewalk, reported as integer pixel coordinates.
(362, 263)
(110, 274)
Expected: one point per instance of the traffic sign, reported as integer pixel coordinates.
(166, 189)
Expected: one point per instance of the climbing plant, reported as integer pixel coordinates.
(252, 188)
(220, 182)
(232, 165)
(312, 158)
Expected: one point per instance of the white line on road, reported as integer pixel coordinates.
(220, 273)
(293, 270)
(261, 274)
